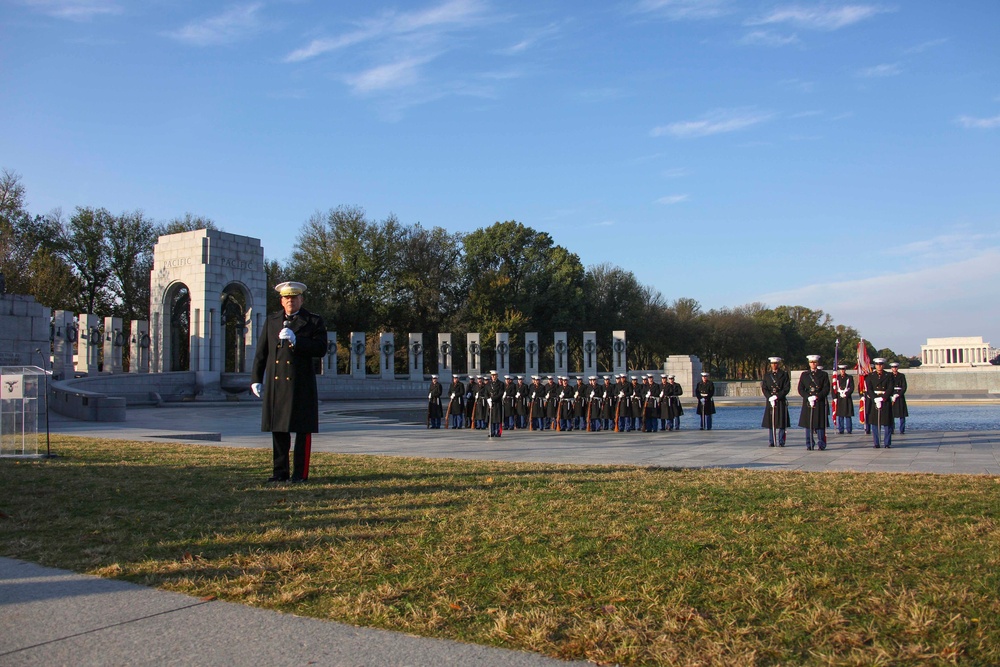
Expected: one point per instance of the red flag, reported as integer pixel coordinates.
(864, 368)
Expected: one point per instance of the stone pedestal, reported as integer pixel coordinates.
(531, 353)
(25, 326)
(686, 369)
(89, 343)
(445, 357)
(139, 347)
(415, 347)
(619, 352)
(358, 369)
(387, 356)
(589, 353)
(503, 354)
(114, 344)
(63, 344)
(475, 351)
(329, 366)
(560, 353)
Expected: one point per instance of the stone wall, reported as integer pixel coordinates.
(24, 328)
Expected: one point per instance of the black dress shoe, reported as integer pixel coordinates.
(297, 480)
(276, 478)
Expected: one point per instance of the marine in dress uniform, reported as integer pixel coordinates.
(521, 403)
(636, 402)
(284, 376)
(705, 392)
(775, 387)
(814, 388)
(845, 400)
(536, 403)
(898, 399)
(674, 391)
(878, 409)
(494, 402)
(456, 403)
(509, 402)
(435, 411)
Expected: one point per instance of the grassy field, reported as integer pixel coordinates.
(636, 566)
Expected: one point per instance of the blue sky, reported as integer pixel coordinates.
(842, 156)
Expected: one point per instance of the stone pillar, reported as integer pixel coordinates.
(88, 344)
(358, 369)
(531, 353)
(387, 356)
(503, 354)
(560, 352)
(619, 352)
(475, 354)
(686, 369)
(329, 366)
(139, 360)
(415, 345)
(445, 359)
(63, 345)
(114, 343)
(589, 353)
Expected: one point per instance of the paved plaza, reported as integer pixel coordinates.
(394, 429)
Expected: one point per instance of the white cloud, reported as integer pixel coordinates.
(678, 10)
(820, 17)
(878, 71)
(453, 14)
(672, 199)
(768, 38)
(532, 39)
(75, 10)
(715, 122)
(392, 75)
(925, 46)
(979, 123)
(236, 23)
(922, 297)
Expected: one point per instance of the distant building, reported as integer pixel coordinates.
(958, 351)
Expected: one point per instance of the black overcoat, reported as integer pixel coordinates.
(705, 390)
(776, 384)
(878, 386)
(288, 372)
(845, 403)
(899, 392)
(814, 383)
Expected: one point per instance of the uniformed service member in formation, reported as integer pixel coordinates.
(537, 394)
(435, 411)
(844, 400)
(775, 386)
(494, 402)
(521, 404)
(509, 402)
(878, 408)
(456, 403)
(814, 388)
(898, 399)
(284, 376)
(673, 390)
(705, 392)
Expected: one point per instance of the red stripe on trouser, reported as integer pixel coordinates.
(308, 448)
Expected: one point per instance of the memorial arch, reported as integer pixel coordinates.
(207, 303)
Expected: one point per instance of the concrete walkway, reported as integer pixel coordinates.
(357, 427)
(53, 617)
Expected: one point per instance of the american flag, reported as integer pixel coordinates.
(864, 368)
(836, 383)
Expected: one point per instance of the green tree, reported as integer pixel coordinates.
(130, 240)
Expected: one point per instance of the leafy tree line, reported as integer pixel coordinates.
(384, 275)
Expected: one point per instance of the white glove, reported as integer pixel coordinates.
(894, 397)
(812, 401)
(621, 394)
(701, 400)
(255, 388)
(843, 393)
(878, 402)
(773, 400)
(429, 396)
(287, 334)
(489, 402)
